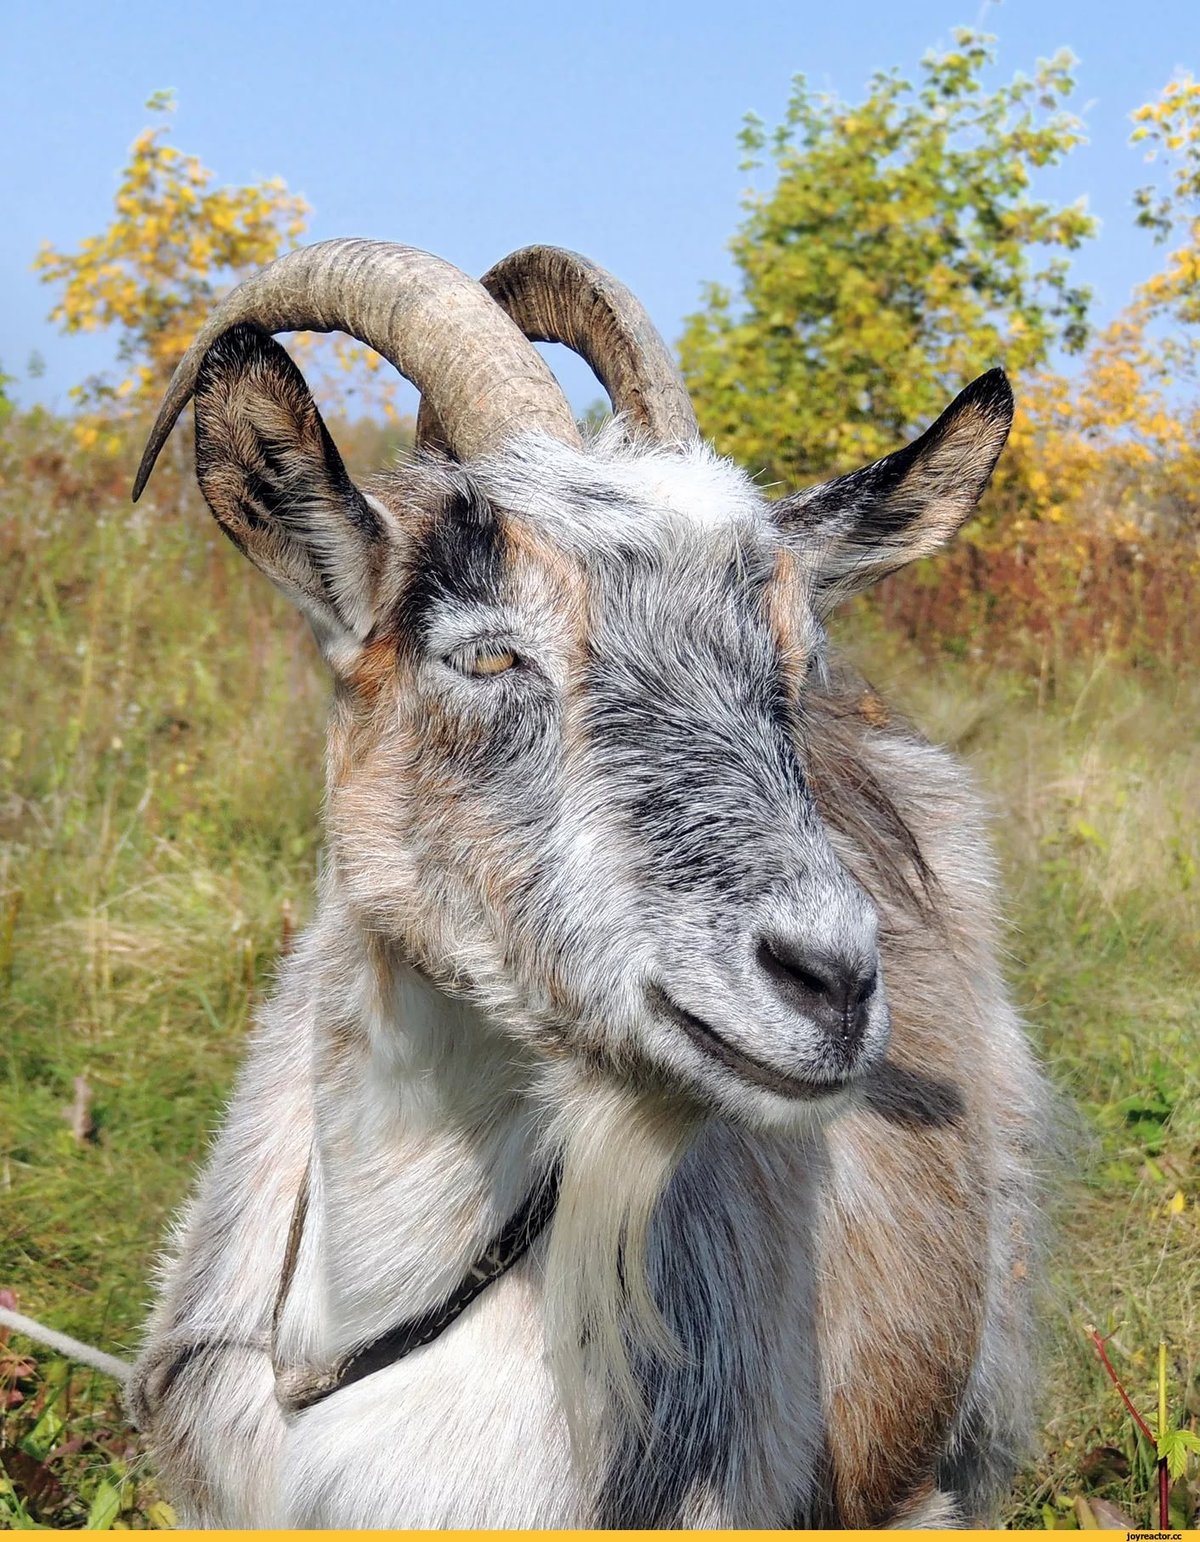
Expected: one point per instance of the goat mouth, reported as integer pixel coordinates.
(748, 1067)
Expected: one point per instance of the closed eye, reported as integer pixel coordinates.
(482, 660)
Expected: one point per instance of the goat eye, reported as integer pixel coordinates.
(484, 661)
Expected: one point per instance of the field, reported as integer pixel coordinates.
(160, 763)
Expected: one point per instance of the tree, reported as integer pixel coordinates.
(899, 253)
(175, 244)
(1117, 447)
(1170, 129)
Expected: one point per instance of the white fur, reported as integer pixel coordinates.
(695, 1288)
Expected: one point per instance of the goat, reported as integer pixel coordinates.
(641, 1134)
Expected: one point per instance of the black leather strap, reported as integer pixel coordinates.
(299, 1389)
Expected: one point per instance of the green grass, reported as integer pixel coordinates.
(160, 760)
(160, 752)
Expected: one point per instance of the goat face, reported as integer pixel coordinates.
(571, 730)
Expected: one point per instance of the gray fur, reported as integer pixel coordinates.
(597, 795)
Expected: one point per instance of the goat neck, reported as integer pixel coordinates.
(423, 1135)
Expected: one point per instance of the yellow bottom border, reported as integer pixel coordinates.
(1137, 1536)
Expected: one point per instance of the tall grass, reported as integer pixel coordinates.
(160, 747)
(1052, 596)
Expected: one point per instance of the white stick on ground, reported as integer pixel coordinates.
(73, 1349)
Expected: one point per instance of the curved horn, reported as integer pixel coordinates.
(438, 327)
(557, 296)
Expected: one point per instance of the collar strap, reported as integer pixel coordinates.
(302, 1387)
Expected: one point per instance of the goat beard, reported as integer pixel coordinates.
(618, 1149)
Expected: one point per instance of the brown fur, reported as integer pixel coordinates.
(786, 603)
(904, 1252)
(517, 883)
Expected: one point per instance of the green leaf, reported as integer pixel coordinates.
(1173, 1448)
(1089, 834)
(105, 1508)
(43, 1436)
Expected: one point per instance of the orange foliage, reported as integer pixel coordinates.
(1090, 537)
(1111, 451)
(175, 244)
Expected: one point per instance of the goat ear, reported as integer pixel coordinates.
(867, 524)
(272, 476)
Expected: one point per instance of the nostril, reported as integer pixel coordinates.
(787, 965)
(833, 992)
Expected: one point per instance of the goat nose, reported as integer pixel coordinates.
(834, 993)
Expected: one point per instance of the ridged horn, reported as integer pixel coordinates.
(438, 327)
(557, 296)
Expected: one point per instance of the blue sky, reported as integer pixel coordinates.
(473, 129)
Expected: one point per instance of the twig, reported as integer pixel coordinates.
(78, 1113)
(1116, 1381)
(1164, 1482)
(73, 1349)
